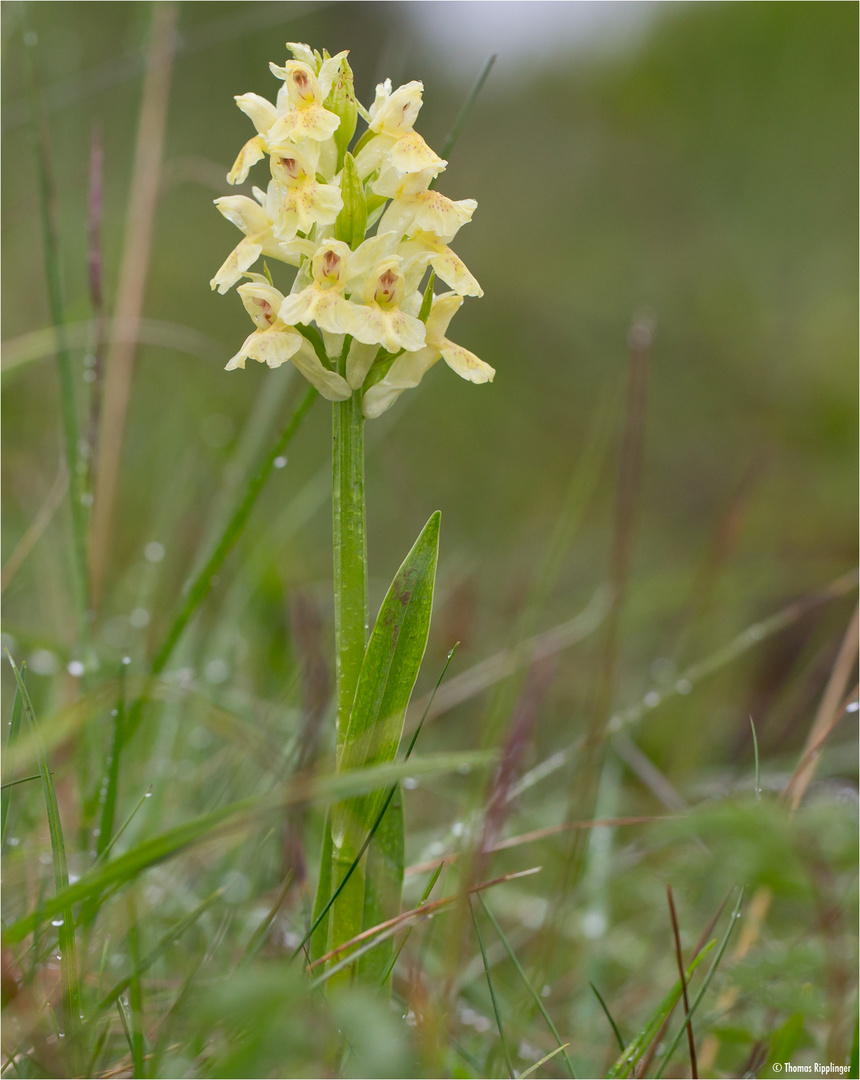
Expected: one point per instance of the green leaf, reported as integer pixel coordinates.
(14, 728)
(388, 673)
(386, 861)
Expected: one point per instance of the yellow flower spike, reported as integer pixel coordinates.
(253, 220)
(408, 370)
(341, 101)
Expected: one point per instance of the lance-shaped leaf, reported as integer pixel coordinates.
(387, 677)
(385, 684)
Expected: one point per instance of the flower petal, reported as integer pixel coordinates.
(466, 364)
(243, 256)
(359, 361)
(262, 113)
(406, 372)
(253, 151)
(332, 386)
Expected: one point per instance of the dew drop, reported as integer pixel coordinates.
(410, 783)
(854, 706)
(464, 769)
(89, 375)
(153, 552)
(279, 462)
(139, 618)
(57, 922)
(148, 795)
(87, 498)
(126, 660)
(75, 668)
(683, 686)
(652, 699)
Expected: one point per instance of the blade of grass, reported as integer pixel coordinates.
(230, 819)
(496, 1013)
(56, 303)
(203, 582)
(755, 751)
(424, 898)
(544, 1060)
(14, 729)
(65, 920)
(735, 916)
(634, 1050)
(536, 998)
(258, 937)
(468, 105)
(608, 1015)
(135, 996)
(143, 965)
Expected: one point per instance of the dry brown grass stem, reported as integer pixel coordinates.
(132, 281)
(36, 527)
(415, 914)
(829, 713)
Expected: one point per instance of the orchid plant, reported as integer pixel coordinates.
(367, 235)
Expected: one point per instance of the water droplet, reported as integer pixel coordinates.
(89, 360)
(410, 783)
(216, 672)
(546, 991)
(126, 660)
(97, 832)
(683, 686)
(652, 699)
(464, 769)
(59, 956)
(75, 668)
(458, 828)
(89, 376)
(139, 618)
(756, 632)
(43, 662)
(13, 841)
(279, 462)
(852, 706)
(153, 552)
(57, 922)
(87, 498)
(114, 712)
(148, 795)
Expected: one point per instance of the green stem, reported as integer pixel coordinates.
(350, 622)
(350, 550)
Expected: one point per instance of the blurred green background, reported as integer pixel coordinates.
(699, 171)
(705, 171)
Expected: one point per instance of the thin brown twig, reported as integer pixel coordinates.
(421, 912)
(537, 834)
(679, 956)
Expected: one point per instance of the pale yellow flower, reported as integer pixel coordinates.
(408, 370)
(295, 202)
(273, 342)
(302, 115)
(380, 319)
(253, 220)
(394, 141)
(414, 208)
(322, 301)
(427, 248)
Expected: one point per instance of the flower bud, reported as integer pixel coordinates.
(341, 101)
